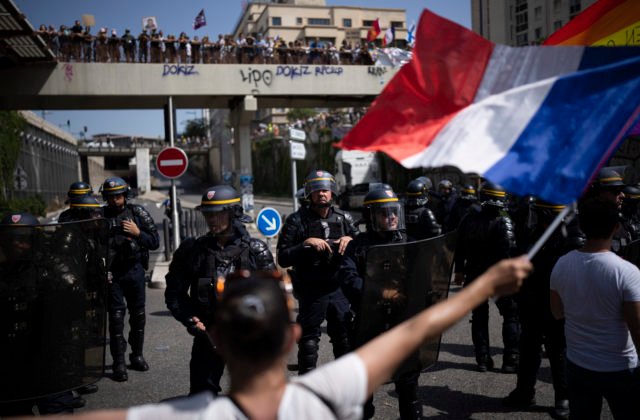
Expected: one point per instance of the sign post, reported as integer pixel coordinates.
(298, 152)
(173, 168)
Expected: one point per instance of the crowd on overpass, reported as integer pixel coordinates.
(77, 43)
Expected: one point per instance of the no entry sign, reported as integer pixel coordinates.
(172, 162)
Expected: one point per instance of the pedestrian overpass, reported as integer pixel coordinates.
(242, 88)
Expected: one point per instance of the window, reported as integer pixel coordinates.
(346, 23)
(298, 21)
(367, 22)
(556, 6)
(276, 21)
(521, 22)
(522, 39)
(537, 13)
(557, 25)
(397, 24)
(319, 21)
(521, 5)
(574, 7)
(538, 32)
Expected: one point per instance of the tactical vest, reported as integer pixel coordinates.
(210, 265)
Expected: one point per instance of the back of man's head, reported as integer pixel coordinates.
(598, 218)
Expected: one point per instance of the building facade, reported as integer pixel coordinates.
(308, 20)
(522, 22)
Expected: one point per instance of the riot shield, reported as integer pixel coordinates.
(52, 307)
(400, 281)
(631, 252)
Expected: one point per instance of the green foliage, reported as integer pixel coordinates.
(11, 123)
(295, 114)
(196, 128)
(34, 205)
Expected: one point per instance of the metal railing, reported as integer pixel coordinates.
(192, 224)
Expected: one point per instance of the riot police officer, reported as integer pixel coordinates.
(419, 219)
(384, 219)
(539, 327)
(194, 272)
(468, 196)
(446, 196)
(485, 236)
(609, 185)
(76, 189)
(312, 242)
(630, 216)
(133, 234)
(23, 279)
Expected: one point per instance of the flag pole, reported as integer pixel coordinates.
(547, 233)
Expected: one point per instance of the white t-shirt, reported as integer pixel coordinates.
(593, 287)
(343, 383)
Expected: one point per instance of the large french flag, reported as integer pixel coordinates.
(537, 120)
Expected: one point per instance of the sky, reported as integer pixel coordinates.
(175, 17)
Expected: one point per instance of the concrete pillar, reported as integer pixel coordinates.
(241, 116)
(143, 171)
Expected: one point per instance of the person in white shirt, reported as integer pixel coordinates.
(254, 332)
(598, 295)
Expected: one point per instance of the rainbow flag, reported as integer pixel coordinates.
(611, 23)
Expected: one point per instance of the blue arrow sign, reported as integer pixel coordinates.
(269, 222)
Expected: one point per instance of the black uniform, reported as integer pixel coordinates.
(420, 222)
(190, 292)
(351, 273)
(485, 236)
(128, 259)
(538, 323)
(315, 282)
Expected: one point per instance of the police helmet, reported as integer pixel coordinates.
(20, 233)
(20, 219)
(87, 204)
(631, 193)
(114, 186)
(609, 178)
(383, 212)
(79, 189)
(320, 180)
(427, 182)
(220, 198)
(468, 192)
(493, 194)
(445, 187)
(417, 193)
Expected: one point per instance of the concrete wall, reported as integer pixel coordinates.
(140, 86)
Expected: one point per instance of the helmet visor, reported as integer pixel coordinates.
(388, 218)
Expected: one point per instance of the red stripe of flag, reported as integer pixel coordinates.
(441, 79)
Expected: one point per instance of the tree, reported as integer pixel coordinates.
(11, 124)
(295, 114)
(196, 128)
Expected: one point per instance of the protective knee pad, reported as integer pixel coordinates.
(116, 322)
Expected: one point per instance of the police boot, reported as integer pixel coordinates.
(118, 348)
(136, 340)
(485, 362)
(410, 410)
(510, 363)
(307, 355)
(117, 345)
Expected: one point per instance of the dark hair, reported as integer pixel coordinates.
(598, 217)
(253, 315)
